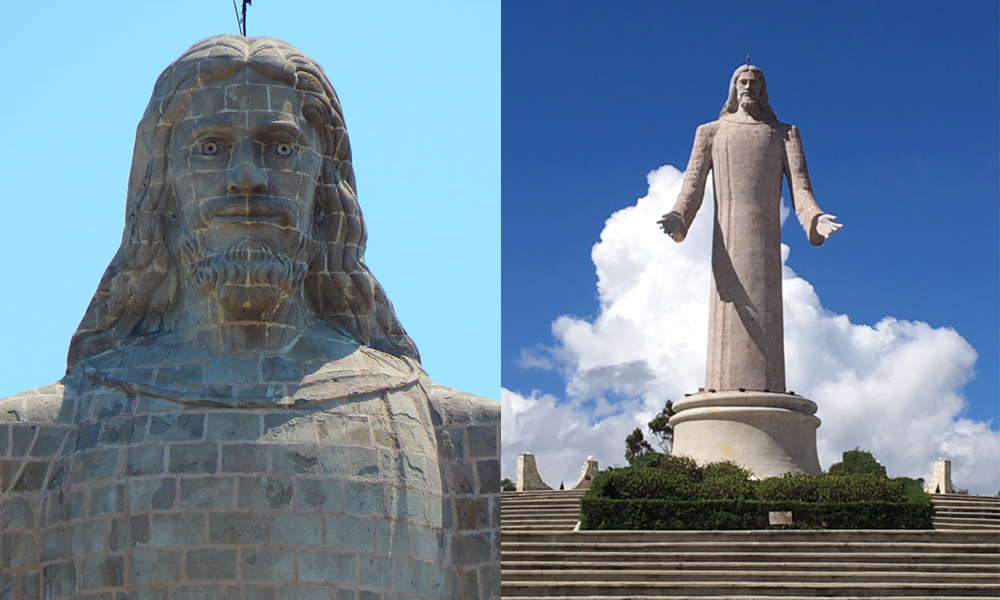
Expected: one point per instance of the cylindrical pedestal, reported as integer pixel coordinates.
(768, 433)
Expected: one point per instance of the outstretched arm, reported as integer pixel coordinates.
(677, 222)
(818, 225)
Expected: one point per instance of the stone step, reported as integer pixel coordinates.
(667, 589)
(875, 559)
(763, 547)
(603, 576)
(537, 511)
(810, 564)
(844, 537)
(964, 498)
(741, 597)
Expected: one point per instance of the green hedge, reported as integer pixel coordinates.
(607, 514)
(669, 492)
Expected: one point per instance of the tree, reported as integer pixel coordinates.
(636, 445)
(507, 485)
(662, 430)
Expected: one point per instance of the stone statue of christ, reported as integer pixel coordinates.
(749, 152)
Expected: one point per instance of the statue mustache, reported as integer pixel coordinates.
(248, 206)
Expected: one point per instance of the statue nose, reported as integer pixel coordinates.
(245, 177)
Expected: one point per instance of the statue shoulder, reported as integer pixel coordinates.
(40, 405)
(708, 130)
(456, 408)
(788, 130)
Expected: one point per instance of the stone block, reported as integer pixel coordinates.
(356, 533)
(48, 441)
(473, 513)
(155, 565)
(94, 465)
(201, 592)
(145, 460)
(265, 492)
(327, 567)
(54, 544)
(17, 550)
(22, 439)
(87, 537)
(152, 494)
(267, 565)
(236, 528)
(364, 498)
(488, 473)
(289, 427)
(208, 493)
(102, 572)
(245, 458)
(483, 441)
(306, 593)
(32, 478)
(211, 563)
(176, 428)
(193, 458)
(177, 529)
(233, 426)
(16, 513)
(106, 499)
(60, 579)
(320, 494)
(289, 529)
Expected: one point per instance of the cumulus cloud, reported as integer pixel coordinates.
(894, 388)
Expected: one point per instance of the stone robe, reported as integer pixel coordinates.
(748, 160)
(333, 468)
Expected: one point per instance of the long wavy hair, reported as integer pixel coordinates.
(138, 292)
(733, 103)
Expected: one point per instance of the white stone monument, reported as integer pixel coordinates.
(744, 413)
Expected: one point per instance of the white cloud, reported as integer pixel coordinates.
(894, 388)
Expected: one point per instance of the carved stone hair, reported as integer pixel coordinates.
(733, 103)
(138, 292)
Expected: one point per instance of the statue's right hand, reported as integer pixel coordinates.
(670, 223)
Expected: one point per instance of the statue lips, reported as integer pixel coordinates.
(249, 210)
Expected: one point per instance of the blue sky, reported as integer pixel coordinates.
(420, 87)
(898, 110)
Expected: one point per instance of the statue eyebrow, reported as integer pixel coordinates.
(288, 127)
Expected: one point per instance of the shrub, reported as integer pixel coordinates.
(726, 481)
(858, 462)
(794, 487)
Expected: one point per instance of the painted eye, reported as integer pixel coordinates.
(209, 148)
(283, 149)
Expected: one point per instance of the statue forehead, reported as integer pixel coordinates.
(244, 91)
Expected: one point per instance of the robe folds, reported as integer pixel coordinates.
(748, 160)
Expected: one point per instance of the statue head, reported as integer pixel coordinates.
(748, 88)
(241, 191)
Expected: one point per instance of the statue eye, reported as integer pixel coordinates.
(209, 148)
(283, 149)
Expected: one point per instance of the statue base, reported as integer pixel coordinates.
(766, 432)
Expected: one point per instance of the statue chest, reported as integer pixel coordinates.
(165, 495)
(749, 157)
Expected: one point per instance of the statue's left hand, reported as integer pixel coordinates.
(826, 225)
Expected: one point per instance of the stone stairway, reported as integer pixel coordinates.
(543, 558)
(963, 512)
(540, 511)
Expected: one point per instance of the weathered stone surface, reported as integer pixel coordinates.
(243, 416)
(750, 153)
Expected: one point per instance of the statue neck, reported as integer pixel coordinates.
(207, 323)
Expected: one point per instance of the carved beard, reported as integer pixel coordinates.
(249, 278)
(747, 101)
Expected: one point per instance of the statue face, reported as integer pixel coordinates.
(749, 87)
(245, 162)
